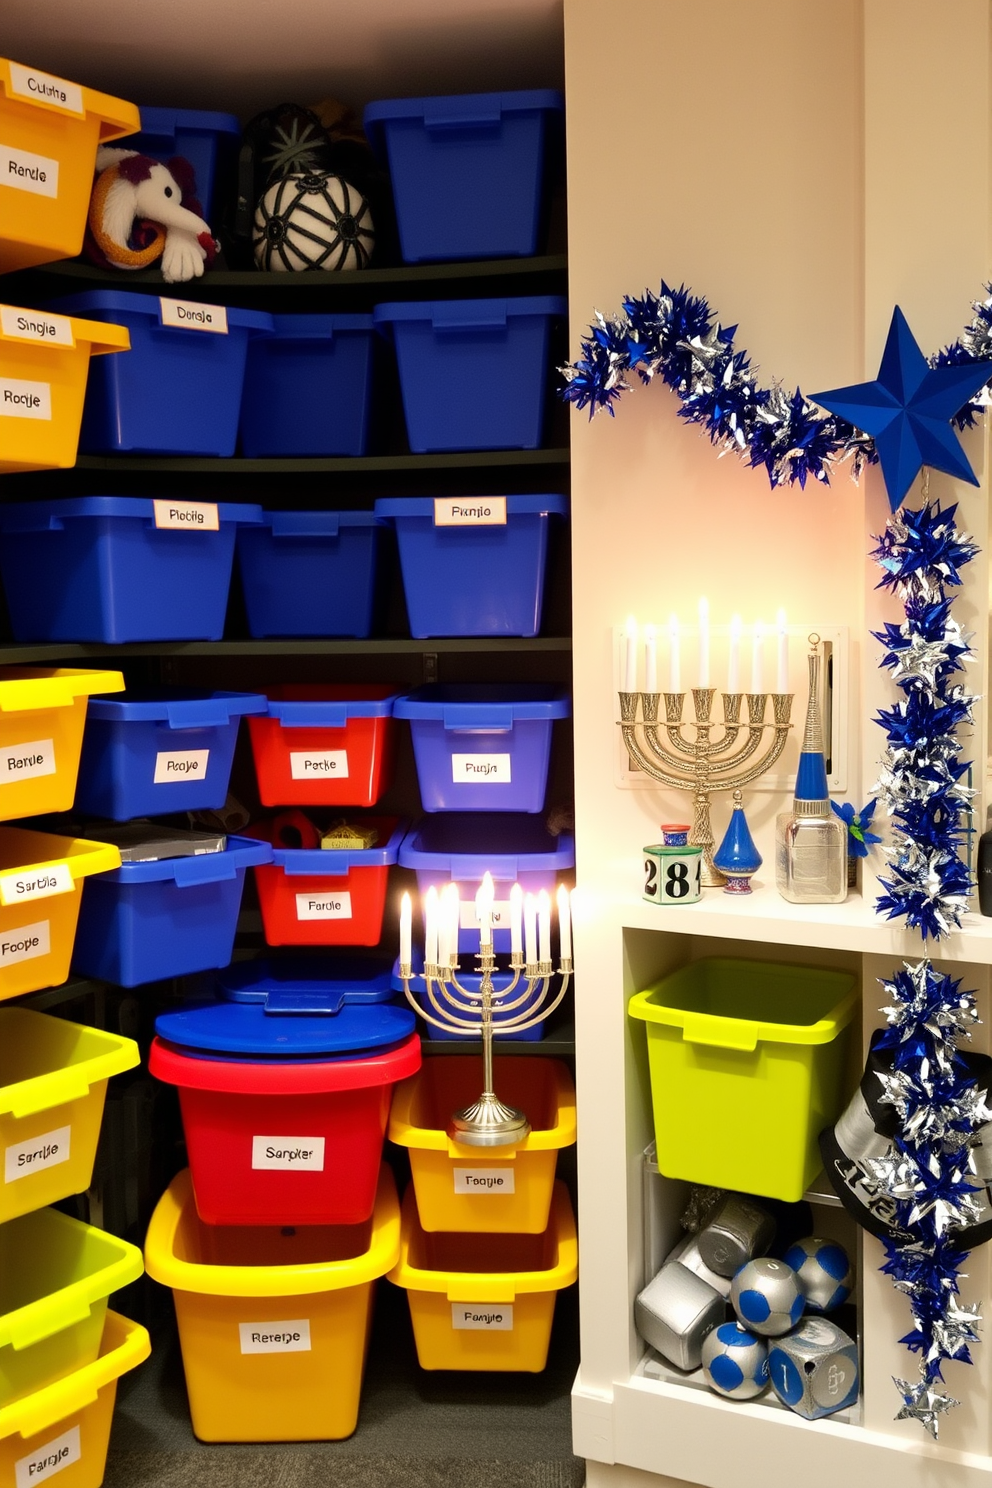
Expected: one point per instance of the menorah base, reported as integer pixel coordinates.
(488, 1123)
(709, 874)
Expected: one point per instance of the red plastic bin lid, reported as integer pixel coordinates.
(288, 1077)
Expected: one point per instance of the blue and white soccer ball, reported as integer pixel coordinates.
(824, 1272)
(735, 1362)
(767, 1297)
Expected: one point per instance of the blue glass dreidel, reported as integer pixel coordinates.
(737, 858)
(672, 875)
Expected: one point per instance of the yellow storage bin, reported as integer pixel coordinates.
(44, 363)
(42, 714)
(485, 1301)
(40, 891)
(53, 1081)
(748, 1065)
(65, 1428)
(49, 133)
(55, 1277)
(273, 1323)
(504, 1190)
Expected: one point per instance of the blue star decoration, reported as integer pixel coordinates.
(907, 410)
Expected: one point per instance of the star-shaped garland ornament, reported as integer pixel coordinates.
(908, 410)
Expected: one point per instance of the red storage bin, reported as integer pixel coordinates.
(324, 745)
(321, 896)
(327, 1119)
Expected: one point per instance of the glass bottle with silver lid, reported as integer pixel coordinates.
(810, 841)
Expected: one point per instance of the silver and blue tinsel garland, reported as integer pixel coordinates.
(675, 336)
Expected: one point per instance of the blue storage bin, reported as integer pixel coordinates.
(96, 568)
(308, 387)
(482, 746)
(460, 849)
(310, 573)
(208, 140)
(467, 171)
(471, 981)
(474, 580)
(473, 373)
(150, 921)
(152, 753)
(308, 984)
(179, 390)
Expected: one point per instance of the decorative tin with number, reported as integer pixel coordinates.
(672, 875)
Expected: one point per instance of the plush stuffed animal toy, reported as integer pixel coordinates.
(142, 211)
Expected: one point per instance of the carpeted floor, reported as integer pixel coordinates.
(416, 1429)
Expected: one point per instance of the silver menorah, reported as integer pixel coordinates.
(450, 1005)
(712, 762)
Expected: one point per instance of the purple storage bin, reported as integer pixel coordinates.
(482, 746)
(471, 981)
(460, 849)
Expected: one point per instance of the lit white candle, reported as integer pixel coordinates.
(564, 924)
(734, 658)
(484, 911)
(516, 920)
(758, 657)
(544, 926)
(674, 655)
(430, 926)
(454, 923)
(650, 659)
(530, 929)
(447, 935)
(782, 678)
(406, 930)
(630, 656)
(704, 642)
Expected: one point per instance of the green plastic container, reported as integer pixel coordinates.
(748, 1065)
(55, 1277)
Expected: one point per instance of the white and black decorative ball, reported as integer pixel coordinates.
(735, 1362)
(766, 1296)
(312, 221)
(824, 1272)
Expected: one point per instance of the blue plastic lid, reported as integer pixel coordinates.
(391, 507)
(494, 706)
(179, 709)
(47, 516)
(466, 844)
(245, 1029)
(329, 706)
(162, 123)
(307, 984)
(316, 523)
(315, 862)
(456, 111)
(104, 304)
(464, 315)
(203, 868)
(318, 327)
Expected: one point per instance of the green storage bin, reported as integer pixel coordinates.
(748, 1065)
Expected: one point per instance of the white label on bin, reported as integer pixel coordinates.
(318, 764)
(183, 516)
(324, 906)
(469, 919)
(480, 769)
(28, 82)
(183, 764)
(484, 1180)
(486, 1317)
(25, 400)
(35, 883)
(476, 511)
(22, 170)
(187, 315)
(26, 761)
(36, 325)
(48, 1460)
(292, 1337)
(25, 943)
(288, 1154)
(46, 1151)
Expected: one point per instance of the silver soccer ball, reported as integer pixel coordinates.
(767, 1297)
(735, 1362)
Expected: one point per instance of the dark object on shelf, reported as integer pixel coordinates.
(148, 842)
(984, 874)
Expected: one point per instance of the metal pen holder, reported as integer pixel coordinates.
(710, 762)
